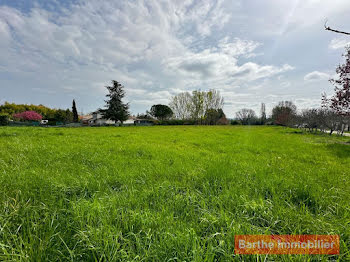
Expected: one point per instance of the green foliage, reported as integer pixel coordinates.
(167, 193)
(63, 116)
(11, 108)
(4, 119)
(115, 108)
(176, 122)
(215, 117)
(161, 112)
(194, 106)
(235, 122)
(53, 115)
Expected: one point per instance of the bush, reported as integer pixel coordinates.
(235, 122)
(4, 119)
(28, 116)
(175, 122)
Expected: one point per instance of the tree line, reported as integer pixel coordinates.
(198, 107)
(24, 112)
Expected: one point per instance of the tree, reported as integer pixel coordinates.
(194, 106)
(246, 116)
(309, 119)
(197, 106)
(331, 120)
(284, 113)
(4, 119)
(12, 108)
(69, 116)
(28, 116)
(161, 112)
(181, 105)
(116, 110)
(213, 100)
(75, 113)
(340, 101)
(263, 113)
(65, 116)
(215, 117)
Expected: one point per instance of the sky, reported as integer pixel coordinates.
(252, 51)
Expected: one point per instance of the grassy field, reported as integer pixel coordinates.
(167, 193)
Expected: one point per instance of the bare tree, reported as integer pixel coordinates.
(284, 113)
(340, 101)
(181, 105)
(309, 118)
(214, 100)
(246, 116)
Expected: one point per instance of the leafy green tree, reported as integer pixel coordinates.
(12, 108)
(75, 113)
(116, 110)
(215, 117)
(60, 115)
(69, 116)
(194, 105)
(4, 119)
(161, 112)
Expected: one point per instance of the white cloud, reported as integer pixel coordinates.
(339, 43)
(316, 76)
(149, 47)
(219, 65)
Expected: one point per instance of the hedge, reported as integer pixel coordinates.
(4, 119)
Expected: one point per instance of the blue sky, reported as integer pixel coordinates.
(52, 51)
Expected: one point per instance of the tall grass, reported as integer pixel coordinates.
(167, 193)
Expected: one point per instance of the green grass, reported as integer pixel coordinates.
(167, 193)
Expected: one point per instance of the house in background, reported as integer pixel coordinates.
(85, 119)
(144, 122)
(130, 121)
(98, 120)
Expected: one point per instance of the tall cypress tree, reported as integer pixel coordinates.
(75, 113)
(115, 108)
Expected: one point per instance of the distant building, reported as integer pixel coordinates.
(144, 122)
(97, 119)
(85, 119)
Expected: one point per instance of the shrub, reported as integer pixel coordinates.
(4, 119)
(175, 122)
(235, 122)
(28, 116)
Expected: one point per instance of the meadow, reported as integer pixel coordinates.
(171, 193)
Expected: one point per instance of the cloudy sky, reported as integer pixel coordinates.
(253, 51)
